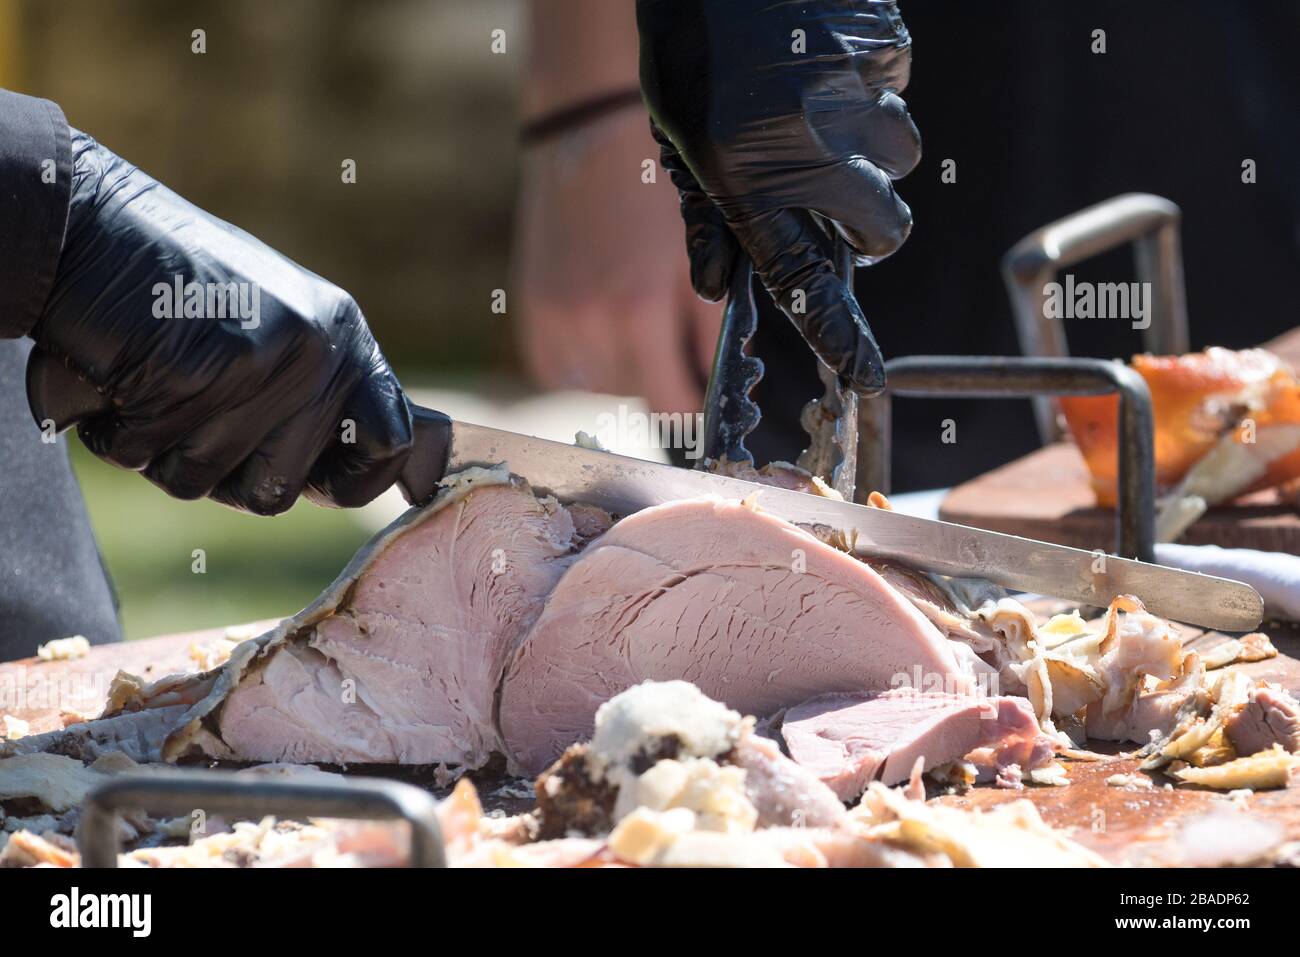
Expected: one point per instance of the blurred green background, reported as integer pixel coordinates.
(255, 130)
(255, 568)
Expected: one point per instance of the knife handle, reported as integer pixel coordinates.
(59, 395)
(430, 453)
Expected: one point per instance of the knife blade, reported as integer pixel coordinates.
(623, 485)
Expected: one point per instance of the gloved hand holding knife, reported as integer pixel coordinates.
(773, 117)
(223, 369)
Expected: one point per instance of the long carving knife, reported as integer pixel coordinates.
(623, 485)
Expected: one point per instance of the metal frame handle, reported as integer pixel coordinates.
(1013, 377)
(1151, 224)
(180, 792)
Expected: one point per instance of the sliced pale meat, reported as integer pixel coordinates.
(1151, 711)
(406, 670)
(775, 474)
(784, 793)
(399, 660)
(850, 740)
(1155, 711)
(295, 708)
(404, 658)
(1269, 717)
(947, 602)
(755, 612)
(1138, 648)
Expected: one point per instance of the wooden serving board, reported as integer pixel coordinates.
(1146, 827)
(49, 694)
(1129, 827)
(1046, 495)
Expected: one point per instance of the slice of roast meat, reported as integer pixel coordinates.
(775, 474)
(422, 639)
(404, 658)
(948, 602)
(398, 661)
(1269, 717)
(850, 740)
(755, 612)
(784, 793)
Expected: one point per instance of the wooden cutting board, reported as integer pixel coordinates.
(1124, 826)
(1158, 826)
(49, 694)
(1046, 495)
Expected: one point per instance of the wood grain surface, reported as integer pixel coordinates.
(1046, 495)
(1127, 827)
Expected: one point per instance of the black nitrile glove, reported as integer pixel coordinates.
(231, 372)
(774, 115)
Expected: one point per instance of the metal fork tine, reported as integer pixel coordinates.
(730, 415)
(832, 420)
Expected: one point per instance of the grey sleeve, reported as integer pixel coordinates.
(35, 185)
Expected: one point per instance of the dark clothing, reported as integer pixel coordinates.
(35, 184)
(1040, 126)
(52, 582)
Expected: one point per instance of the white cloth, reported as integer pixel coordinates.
(1275, 575)
(921, 504)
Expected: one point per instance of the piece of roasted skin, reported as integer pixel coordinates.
(1246, 398)
(1197, 399)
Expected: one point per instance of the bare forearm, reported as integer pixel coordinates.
(580, 49)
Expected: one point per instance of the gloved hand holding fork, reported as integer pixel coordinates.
(774, 120)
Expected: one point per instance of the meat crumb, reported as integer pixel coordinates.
(1130, 782)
